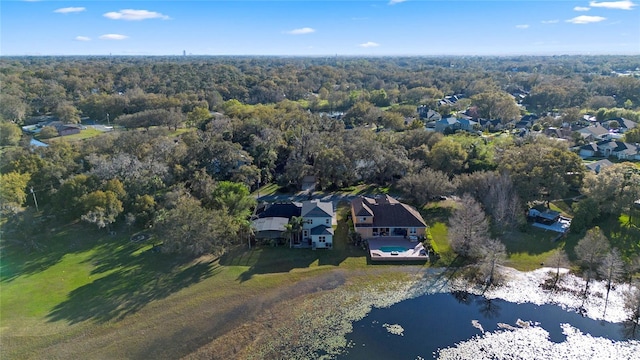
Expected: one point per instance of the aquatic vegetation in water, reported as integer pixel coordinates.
(532, 342)
(394, 329)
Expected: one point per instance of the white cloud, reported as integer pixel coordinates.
(113, 37)
(622, 5)
(554, 21)
(581, 8)
(522, 26)
(83, 38)
(369, 44)
(393, 2)
(301, 31)
(69, 10)
(133, 15)
(586, 19)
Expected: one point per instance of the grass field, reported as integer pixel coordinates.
(86, 294)
(84, 134)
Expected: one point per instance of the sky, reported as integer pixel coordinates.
(319, 28)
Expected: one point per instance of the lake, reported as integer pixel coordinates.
(437, 321)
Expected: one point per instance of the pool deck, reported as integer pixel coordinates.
(415, 250)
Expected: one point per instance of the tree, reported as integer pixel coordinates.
(426, 185)
(491, 253)
(468, 227)
(591, 250)
(502, 202)
(191, 229)
(13, 191)
(48, 132)
(67, 113)
(448, 155)
(10, 134)
(12, 108)
(541, 171)
(611, 269)
(101, 208)
(295, 224)
(557, 260)
(233, 198)
(496, 105)
(632, 136)
(632, 306)
(198, 116)
(615, 188)
(584, 212)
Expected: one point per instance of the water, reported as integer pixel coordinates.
(432, 322)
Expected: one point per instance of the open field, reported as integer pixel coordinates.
(86, 294)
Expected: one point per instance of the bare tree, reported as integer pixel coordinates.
(468, 227)
(491, 253)
(632, 306)
(557, 260)
(612, 269)
(502, 202)
(591, 250)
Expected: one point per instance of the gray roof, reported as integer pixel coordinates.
(317, 208)
(321, 230)
(597, 166)
(270, 224)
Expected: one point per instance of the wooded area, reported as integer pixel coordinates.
(185, 126)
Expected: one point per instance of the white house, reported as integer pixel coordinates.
(318, 220)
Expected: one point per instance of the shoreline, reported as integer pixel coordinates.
(319, 322)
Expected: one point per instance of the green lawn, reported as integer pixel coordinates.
(84, 134)
(84, 283)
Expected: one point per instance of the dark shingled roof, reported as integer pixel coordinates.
(387, 212)
(287, 210)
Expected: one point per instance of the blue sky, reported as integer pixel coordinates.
(297, 27)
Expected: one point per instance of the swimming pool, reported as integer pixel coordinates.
(389, 249)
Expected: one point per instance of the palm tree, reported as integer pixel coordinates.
(297, 222)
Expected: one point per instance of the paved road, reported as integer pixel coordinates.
(302, 196)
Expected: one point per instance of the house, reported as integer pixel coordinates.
(597, 166)
(67, 129)
(270, 223)
(450, 124)
(427, 114)
(270, 220)
(549, 220)
(308, 183)
(468, 125)
(491, 125)
(615, 148)
(589, 150)
(593, 132)
(623, 125)
(317, 228)
(383, 216)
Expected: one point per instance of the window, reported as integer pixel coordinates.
(412, 231)
(327, 221)
(322, 239)
(309, 221)
(363, 219)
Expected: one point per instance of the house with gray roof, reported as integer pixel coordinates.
(317, 229)
(593, 132)
(608, 148)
